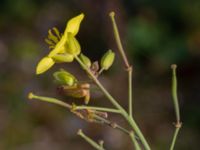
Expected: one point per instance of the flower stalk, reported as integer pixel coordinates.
(49, 100)
(135, 142)
(125, 59)
(178, 123)
(118, 40)
(130, 120)
(99, 109)
(90, 141)
(129, 69)
(75, 109)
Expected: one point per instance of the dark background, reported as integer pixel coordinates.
(155, 34)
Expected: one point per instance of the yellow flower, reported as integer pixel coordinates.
(63, 46)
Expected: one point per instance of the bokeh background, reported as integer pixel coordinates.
(155, 34)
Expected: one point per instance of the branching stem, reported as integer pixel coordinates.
(130, 120)
(90, 141)
(135, 142)
(49, 100)
(125, 59)
(98, 108)
(177, 129)
(112, 124)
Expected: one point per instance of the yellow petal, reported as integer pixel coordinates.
(74, 24)
(44, 64)
(74, 47)
(63, 58)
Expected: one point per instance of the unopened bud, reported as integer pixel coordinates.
(64, 77)
(107, 59)
(85, 60)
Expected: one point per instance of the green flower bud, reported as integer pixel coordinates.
(73, 45)
(107, 59)
(85, 60)
(65, 78)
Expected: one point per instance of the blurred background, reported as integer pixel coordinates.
(155, 34)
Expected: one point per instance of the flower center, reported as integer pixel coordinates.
(53, 37)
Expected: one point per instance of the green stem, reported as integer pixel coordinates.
(100, 71)
(175, 137)
(174, 92)
(112, 100)
(178, 123)
(124, 57)
(116, 104)
(111, 124)
(98, 108)
(49, 100)
(129, 117)
(118, 40)
(90, 141)
(135, 142)
(138, 132)
(130, 91)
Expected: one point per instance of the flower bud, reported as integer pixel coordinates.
(73, 45)
(64, 77)
(85, 60)
(107, 59)
(44, 64)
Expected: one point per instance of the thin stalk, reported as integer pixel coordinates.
(130, 95)
(98, 108)
(49, 100)
(175, 137)
(118, 40)
(116, 104)
(125, 59)
(174, 92)
(129, 69)
(90, 141)
(100, 71)
(107, 94)
(178, 123)
(138, 132)
(135, 142)
(112, 124)
(66, 105)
